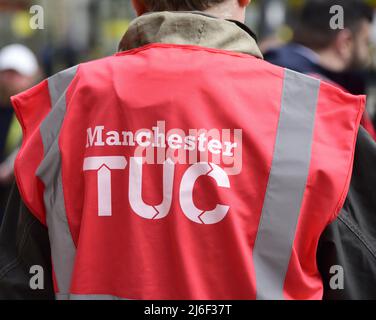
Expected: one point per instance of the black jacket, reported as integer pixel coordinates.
(349, 242)
(24, 243)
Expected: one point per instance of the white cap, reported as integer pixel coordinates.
(18, 58)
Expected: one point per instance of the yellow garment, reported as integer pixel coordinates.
(14, 137)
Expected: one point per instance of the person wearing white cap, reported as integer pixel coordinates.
(19, 70)
(18, 58)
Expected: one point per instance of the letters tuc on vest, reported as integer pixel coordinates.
(181, 172)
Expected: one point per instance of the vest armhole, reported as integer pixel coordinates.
(31, 107)
(361, 107)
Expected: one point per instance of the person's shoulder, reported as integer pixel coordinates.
(288, 57)
(335, 92)
(280, 55)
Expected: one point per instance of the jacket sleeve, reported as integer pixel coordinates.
(349, 243)
(25, 262)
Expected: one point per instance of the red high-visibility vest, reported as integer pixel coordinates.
(181, 172)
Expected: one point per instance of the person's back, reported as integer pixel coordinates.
(175, 171)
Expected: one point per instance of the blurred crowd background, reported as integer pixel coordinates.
(80, 30)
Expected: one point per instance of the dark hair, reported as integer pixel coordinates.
(313, 29)
(178, 5)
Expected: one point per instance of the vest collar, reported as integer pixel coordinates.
(190, 28)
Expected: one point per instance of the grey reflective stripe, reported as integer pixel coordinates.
(62, 247)
(58, 84)
(287, 184)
